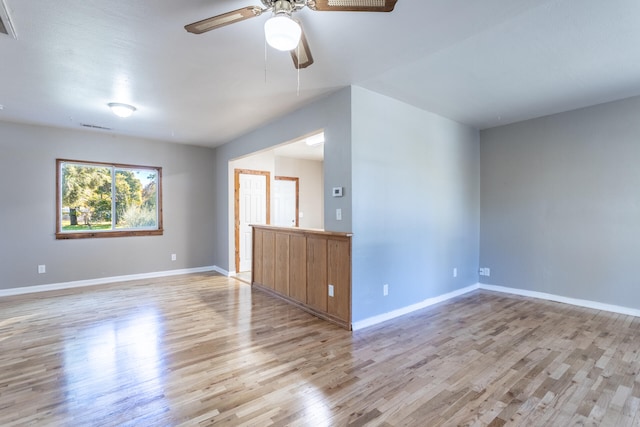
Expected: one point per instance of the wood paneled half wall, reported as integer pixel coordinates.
(308, 268)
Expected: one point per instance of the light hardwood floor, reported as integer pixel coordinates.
(203, 350)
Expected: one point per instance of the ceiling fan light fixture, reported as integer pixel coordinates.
(122, 110)
(282, 32)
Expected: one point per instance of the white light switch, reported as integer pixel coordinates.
(339, 214)
(330, 290)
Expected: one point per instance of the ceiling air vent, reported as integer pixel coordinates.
(86, 125)
(6, 26)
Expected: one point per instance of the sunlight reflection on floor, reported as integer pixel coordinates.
(118, 358)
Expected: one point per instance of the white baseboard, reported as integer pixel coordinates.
(223, 271)
(101, 281)
(514, 291)
(356, 325)
(411, 308)
(566, 300)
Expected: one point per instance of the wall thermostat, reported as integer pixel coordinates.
(337, 191)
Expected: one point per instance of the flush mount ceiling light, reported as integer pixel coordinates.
(314, 140)
(121, 110)
(282, 32)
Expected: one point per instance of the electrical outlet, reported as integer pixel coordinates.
(339, 214)
(487, 271)
(385, 289)
(174, 257)
(42, 269)
(455, 271)
(330, 290)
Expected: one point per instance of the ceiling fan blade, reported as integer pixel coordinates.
(224, 19)
(353, 5)
(301, 55)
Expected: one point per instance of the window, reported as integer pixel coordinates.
(107, 200)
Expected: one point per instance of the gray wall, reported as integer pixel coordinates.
(331, 113)
(560, 209)
(415, 204)
(27, 211)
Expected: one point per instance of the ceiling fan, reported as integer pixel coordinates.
(281, 30)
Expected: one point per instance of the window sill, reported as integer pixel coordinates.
(99, 234)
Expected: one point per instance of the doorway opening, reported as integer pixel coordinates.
(292, 176)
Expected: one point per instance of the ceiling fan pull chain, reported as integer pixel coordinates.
(265, 61)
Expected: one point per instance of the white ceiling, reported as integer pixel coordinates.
(483, 63)
(300, 150)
